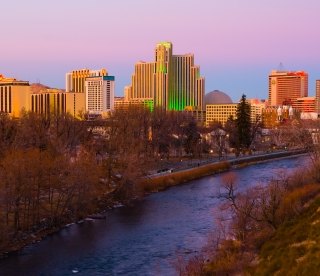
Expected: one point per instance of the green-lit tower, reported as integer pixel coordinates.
(163, 57)
(175, 84)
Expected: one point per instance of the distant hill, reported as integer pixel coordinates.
(37, 87)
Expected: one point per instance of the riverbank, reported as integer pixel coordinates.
(23, 239)
(157, 183)
(274, 229)
(144, 238)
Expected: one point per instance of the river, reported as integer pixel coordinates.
(145, 239)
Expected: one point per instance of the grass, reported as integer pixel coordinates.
(295, 247)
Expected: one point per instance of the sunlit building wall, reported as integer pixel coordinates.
(49, 101)
(318, 96)
(14, 96)
(76, 104)
(305, 104)
(57, 102)
(220, 113)
(186, 86)
(99, 94)
(75, 79)
(256, 109)
(163, 74)
(143, 82)
(121, 103)
(285, 87)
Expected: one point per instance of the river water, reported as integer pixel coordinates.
(145, 239)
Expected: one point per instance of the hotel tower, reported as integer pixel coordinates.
(75, 79)
(286, 87)
(172, 81)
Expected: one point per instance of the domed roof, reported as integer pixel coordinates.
(217, 97)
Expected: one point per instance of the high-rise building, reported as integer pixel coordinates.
(286, 87)
(76, 78)
(99, 94)
(172, 81)
(143, 82)
(163, 74)
(14, 96)
(318, 96)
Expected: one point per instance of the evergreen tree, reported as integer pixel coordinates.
(192, 138)
(243, 123)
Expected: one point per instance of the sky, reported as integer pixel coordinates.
(236, 43)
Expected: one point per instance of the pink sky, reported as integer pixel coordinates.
(235, 42)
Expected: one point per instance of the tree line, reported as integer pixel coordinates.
(56, 169)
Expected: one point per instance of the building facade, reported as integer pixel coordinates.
(49, 101)
(305, 104)
(220, 113)
(318, 96)
(285, 87)
(120, 103)
(55, 101)
(14, 96)
(75, 80)
(172, 81)
(99, 93)
(143, 82)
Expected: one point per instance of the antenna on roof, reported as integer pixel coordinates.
(281, 67)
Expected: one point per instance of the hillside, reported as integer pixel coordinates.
(295, 247)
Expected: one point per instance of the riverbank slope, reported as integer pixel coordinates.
(295, 247)
(159, 182)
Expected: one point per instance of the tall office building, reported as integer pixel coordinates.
(76, 78)
(171, 81)
(163, 74)
(99, 94)
(286, 87)
(318, 96)
(187, 87)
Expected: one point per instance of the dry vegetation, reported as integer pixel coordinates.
(55, 169)
(164, 181)
(264, 226)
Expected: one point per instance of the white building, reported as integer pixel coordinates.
(99, 94)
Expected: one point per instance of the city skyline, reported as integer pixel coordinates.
(235, 44)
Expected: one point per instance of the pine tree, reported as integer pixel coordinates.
(243, 123)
